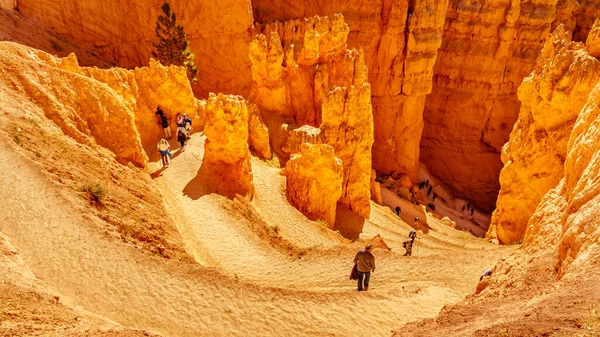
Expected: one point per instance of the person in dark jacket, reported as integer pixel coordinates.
(412, 235)
(398, 210)
(365, 263)
(164, 122)
(182, 139)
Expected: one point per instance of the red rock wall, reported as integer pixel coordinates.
(123, 32)
(488, 48)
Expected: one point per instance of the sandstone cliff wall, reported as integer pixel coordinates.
(304, 75)
(123, 32)
(552, 97)
(85, 109)
(488, 48)
(400, 51)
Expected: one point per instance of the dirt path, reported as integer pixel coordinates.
(276, 295)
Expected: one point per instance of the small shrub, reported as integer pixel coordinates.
(95, 190)
(275, 229)
(322, 223)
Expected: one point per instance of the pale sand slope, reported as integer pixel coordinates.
(276, 295)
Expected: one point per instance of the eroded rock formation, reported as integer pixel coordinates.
(226, 163)
(258, 134)
(85, 109)
(314, 182)
(488, 48)
(123, 32)
(552, 97)
(400, 50)
(303, 73)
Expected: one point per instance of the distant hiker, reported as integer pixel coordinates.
(463, 208)
(429, 190)
(434, 196)
(468, 206)
(427, 182)
(181, 138)
(487, 273)
(365, 264)
(412, 235)
(472, 210)
(188, 125)
(164, 122)
(421, 185)
(159, 111)
(163, 148)
(398, 210)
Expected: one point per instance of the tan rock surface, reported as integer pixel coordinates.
(123, 32)
(487, 50)
(400, 51)
(552, 98)
(85, 109)
(314, 182)
(227, 157)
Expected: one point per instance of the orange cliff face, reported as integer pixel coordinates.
(400, 51)
(123, 32)
(303, 75)
(488, 48)
(534, 158)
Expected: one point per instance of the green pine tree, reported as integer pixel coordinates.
(173, 46)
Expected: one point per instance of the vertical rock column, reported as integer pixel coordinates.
(303, 73)
(314, 182)
(226, 154)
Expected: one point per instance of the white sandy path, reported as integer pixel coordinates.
(174, 298)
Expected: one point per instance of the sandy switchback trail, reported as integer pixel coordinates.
(276, 295)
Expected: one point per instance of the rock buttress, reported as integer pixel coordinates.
(314, 182)
(226, 161)
(534, 158)
(303, 73)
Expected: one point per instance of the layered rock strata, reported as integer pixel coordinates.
(303, 73)
(123, 32)
(400, 42)
(314, 182)
(226, 165)
(552, 97)
(85, 109)
(488, 48)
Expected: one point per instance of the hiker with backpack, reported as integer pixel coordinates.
(181, 138)
(163, 148)
(364, 262)
(412, 235)
(188, 125)
(164, 122)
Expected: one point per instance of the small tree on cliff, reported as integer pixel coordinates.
(173, 46)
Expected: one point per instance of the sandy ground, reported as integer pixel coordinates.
(245, 282)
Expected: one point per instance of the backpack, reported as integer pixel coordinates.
(165, 121)
(187, 120)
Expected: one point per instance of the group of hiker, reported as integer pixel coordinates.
(364, 261)
(469, 208)
(184, 128)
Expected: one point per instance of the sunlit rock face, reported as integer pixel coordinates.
(314, 182)
(304, 74)
(552, 98)
(400, 42)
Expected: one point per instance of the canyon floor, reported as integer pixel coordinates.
(244, 268)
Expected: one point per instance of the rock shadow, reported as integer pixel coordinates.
(348, 223)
